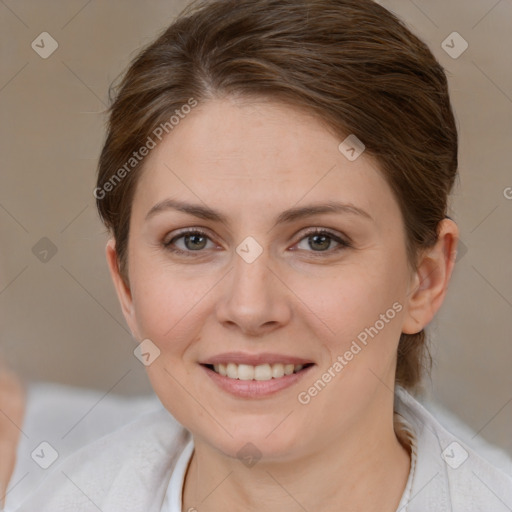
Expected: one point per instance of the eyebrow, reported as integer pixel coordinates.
(290, 215)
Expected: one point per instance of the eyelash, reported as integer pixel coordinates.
(343, 244)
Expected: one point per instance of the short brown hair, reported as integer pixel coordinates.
(351, 63)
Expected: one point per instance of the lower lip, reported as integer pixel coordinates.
(255, 388)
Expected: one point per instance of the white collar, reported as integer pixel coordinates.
(173, 497)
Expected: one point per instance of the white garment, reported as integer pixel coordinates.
(67, 418)
(141, 467)
(173, 501)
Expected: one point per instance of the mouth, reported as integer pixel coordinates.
(260, 372)
(260, 380)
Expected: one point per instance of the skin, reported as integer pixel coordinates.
(12, 409)
(252, 160)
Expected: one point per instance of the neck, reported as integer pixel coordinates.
(355, 471)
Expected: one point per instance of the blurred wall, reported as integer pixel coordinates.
(60, 320)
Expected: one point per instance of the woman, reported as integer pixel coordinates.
(275, 179)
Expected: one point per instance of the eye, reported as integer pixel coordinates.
(320, 240)
(193, 241)
(317, 241)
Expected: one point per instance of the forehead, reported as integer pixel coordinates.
(262, 154)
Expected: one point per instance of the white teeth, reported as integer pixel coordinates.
(263, 372)
(288, 369)
(232, 371)
(277, 371)
(245, 372)
(260, 372)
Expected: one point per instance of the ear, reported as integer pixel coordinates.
(430, 281)
(122, 289)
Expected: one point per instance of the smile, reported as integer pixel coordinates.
(255, 381)
(260, 372)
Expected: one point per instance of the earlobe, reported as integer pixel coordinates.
(430, 281)
(122, 289)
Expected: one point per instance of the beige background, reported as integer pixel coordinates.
(60, 320)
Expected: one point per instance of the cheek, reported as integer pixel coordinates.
(167, 301)
(364, 310)
(350, 299)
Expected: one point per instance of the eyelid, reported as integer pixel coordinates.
(319, 230)
(185, 231)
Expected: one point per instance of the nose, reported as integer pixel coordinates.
(253, 299)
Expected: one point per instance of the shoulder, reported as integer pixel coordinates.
(126, 470)
(449, 474)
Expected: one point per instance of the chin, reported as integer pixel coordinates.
(252, 439)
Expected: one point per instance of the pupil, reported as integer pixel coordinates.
(323, 238)
(194, 239)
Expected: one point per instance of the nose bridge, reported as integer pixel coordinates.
(253, 298)
(251, 276)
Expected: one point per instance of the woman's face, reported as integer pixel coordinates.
(259, 287)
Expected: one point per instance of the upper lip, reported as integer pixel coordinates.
(254, 359)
